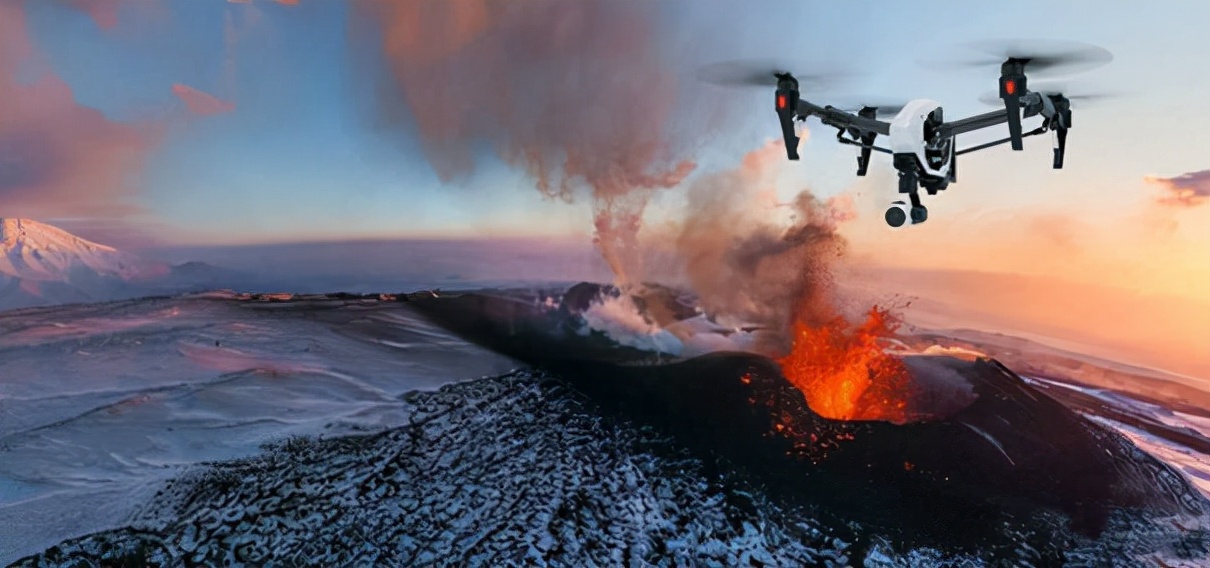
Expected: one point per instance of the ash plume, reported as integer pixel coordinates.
(746, 265)
(576, 93)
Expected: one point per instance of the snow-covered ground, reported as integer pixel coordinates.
(1194, 464)
(36, 251)
(102, 406)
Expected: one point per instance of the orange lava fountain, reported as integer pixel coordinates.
(844, 372)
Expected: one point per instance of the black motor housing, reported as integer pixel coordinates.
(786, 105)
(1012, 88)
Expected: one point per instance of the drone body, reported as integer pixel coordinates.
(922, 144)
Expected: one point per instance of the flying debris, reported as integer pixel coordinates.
(923, 145)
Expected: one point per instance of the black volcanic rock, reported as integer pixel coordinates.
(578, 298)
(514, 470)
(1013, 454)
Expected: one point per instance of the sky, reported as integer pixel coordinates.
(194, 122)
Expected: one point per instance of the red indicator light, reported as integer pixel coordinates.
(781, 101)
(1010, 86)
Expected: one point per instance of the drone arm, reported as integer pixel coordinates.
(1034, 132)
(864, 145)
(833, 116)
(984, 120)
(974, 123)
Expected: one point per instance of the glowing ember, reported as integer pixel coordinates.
(843, 371)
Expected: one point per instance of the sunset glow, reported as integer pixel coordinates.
(268, 122)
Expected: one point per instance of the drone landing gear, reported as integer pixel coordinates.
(919, 213)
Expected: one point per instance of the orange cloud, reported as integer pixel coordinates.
(201, 103)
(103, 12)
(1186, 190)
(57, 157)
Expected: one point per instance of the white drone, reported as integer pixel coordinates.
(923, 145)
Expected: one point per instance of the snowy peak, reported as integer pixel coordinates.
(35, 251)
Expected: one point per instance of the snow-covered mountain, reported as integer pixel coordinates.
(38, 252)
(44, 265)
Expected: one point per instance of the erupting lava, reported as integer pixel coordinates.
(844, 372)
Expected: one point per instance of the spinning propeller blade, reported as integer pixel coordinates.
(786, 86)
(1041, 57)
(992, 98)
(742, 73)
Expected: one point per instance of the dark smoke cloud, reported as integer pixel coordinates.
(576, 93)
(1186, 190)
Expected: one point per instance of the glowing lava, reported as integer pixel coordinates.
(844, 372)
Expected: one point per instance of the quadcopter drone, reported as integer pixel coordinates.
(923, 145)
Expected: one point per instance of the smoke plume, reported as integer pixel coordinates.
(574, 92)
(577, 93)
(746, 263)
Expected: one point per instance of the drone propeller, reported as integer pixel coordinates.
(1041, 57)
(1019, 58)
(771, 75)
(743, 73)
(992, 98)
(1056, 107)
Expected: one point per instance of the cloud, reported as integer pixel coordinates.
(1185, 190)
(57, 157)
(103, 12)
(282, 2)
(1052, 231)
(200, 102)
(126, 233)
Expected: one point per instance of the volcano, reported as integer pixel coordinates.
(994, 456)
